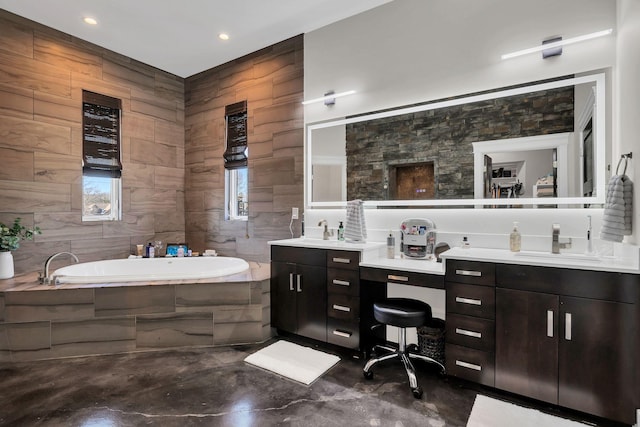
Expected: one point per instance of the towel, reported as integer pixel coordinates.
(618, 209)
(355, 230)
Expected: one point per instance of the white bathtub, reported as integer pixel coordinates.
(149, 269)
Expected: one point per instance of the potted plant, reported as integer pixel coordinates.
(10, 237)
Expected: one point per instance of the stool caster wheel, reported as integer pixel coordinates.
(413, 348)
(417, 392)
(368, 375)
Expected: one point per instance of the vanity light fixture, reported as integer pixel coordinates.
(329, 98)
(552, 45)
(223, 36)
(89, 20)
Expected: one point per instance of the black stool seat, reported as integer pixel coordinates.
(402, 312)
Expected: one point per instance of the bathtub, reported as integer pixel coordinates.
(149, 269)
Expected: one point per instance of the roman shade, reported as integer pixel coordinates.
(235, 155)
(101, 135)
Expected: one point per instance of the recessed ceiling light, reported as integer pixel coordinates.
(90, 21)
(223, 36)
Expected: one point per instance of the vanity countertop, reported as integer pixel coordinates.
(406, 264)
(617, 264)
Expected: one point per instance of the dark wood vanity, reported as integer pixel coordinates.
(565, 336)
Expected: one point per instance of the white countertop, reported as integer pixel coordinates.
(406, 264)
(618, 263)
(308, 242)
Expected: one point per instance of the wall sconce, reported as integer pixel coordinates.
(329, 98)
(553, 46)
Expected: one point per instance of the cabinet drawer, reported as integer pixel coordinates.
(341, 281)
(344, 307)
(295, 255)
(470, 364)
(384, 275)
(471, 332)
(478, 273)
(343, 259)
(472, 300)
(343, 333)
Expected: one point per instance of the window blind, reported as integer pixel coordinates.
(101, 135)
(235, 155)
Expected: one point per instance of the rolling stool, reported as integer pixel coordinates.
(403, 313)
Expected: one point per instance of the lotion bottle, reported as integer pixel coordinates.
(515, 239)
(391, 246)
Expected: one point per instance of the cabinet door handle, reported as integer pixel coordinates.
(550, 323)
(342, 260)
(398, 278)
(341, 282)
(469, 273)
(298, 280)
(342, 334)
(567, 326)
(291, 281)
(468, 365)
(468, 333)
(341, 308)
(469, 301)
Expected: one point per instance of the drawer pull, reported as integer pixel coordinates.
(342, 260)
(342, 334)
(398, 278)
(469, 273)
(291, 281)
(341, 282)
(468, 365)
(341, 308)
(469, 301)
(550, 323)
(468, 333)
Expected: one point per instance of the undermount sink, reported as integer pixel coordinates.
(561, 256)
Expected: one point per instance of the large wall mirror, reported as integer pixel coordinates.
(540, 144)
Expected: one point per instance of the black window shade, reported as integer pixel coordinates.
(101, 135)
(235, 156)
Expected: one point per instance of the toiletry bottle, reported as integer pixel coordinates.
(515, 239)
(589, 236)
(465, 243)
(180, 251)
(152, 251)
(341, 232)
(391, 246)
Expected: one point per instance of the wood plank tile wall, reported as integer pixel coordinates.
(271, 80)
(42, 75)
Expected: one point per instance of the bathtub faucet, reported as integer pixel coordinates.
(44, 278)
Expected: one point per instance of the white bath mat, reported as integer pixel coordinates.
(302, 364)
(488, 412)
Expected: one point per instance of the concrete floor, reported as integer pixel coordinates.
(215, 387)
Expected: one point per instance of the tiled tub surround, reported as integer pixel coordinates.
(41, 321)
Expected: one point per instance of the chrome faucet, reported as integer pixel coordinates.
(556, 245)
(44, 278)
(326, 233)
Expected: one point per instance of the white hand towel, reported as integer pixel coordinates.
(618, 209)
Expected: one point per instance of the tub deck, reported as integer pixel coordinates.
(43, 321)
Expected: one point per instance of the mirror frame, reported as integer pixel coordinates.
(599, 124)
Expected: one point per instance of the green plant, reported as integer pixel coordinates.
(10, 236)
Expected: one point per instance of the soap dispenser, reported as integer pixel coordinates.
(341, 232)
(515, 239)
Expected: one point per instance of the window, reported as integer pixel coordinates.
(101, 166)
(236, 193)
(235, 162)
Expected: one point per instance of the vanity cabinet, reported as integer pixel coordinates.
(567, 337)
(470, 321)
(343, 298)
(299, 291)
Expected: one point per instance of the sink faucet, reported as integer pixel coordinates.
(45, 279)
(325, 234)
(556, 245)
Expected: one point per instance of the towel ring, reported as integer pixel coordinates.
(626, 158)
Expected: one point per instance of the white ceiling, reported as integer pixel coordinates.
(181, 37)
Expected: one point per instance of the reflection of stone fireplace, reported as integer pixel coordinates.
(412, 181)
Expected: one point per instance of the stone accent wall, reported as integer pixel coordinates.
(444, 136)
(271, 81)
(42, 75)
